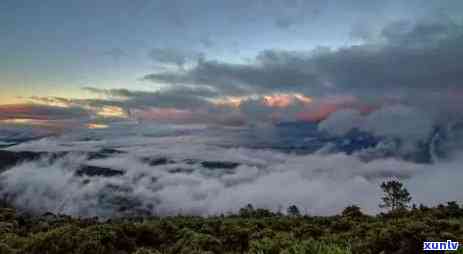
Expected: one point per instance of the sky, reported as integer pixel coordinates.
(89, 63)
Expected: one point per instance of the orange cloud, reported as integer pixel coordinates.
(281, 100)
(97, 126)
(284, 100)
(111, 111)
(230, 101)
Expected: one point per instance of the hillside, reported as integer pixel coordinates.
(250, 231)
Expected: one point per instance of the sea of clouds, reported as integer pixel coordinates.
(318, 183)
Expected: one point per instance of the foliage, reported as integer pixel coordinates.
(250, 231)
(396, 196)
(293, 211)
(352, 211)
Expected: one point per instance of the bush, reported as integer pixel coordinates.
(351, 232)
(191, 240)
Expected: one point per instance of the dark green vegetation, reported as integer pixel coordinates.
(401, 230)
(396, 197)
(251, 231)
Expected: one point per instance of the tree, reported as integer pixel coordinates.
(293, 210)
(247, 211)
(396, 196)
(352, 211)
(453, 209)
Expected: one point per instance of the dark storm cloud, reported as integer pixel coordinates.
(423, 57)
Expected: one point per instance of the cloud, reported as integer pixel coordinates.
(403, 84)
(318, 184)
(178, 57)
(181, 103)
(424, 33)
(202, 104)
(10, 132)
(192, 104)
(399, 121)
(405, 72)
(397, 66)
(392, 121)
(207, 42)
(40, 112)
(19, 122)
(180, 97)
(241, 79)
(391, 69)
(341, 122)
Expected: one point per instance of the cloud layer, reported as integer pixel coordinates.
(190, 171)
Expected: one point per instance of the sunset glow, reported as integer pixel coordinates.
(21, 121)
(272, 100)
(230, 101)
(97, 126)
(112, 111)
(284, 100)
